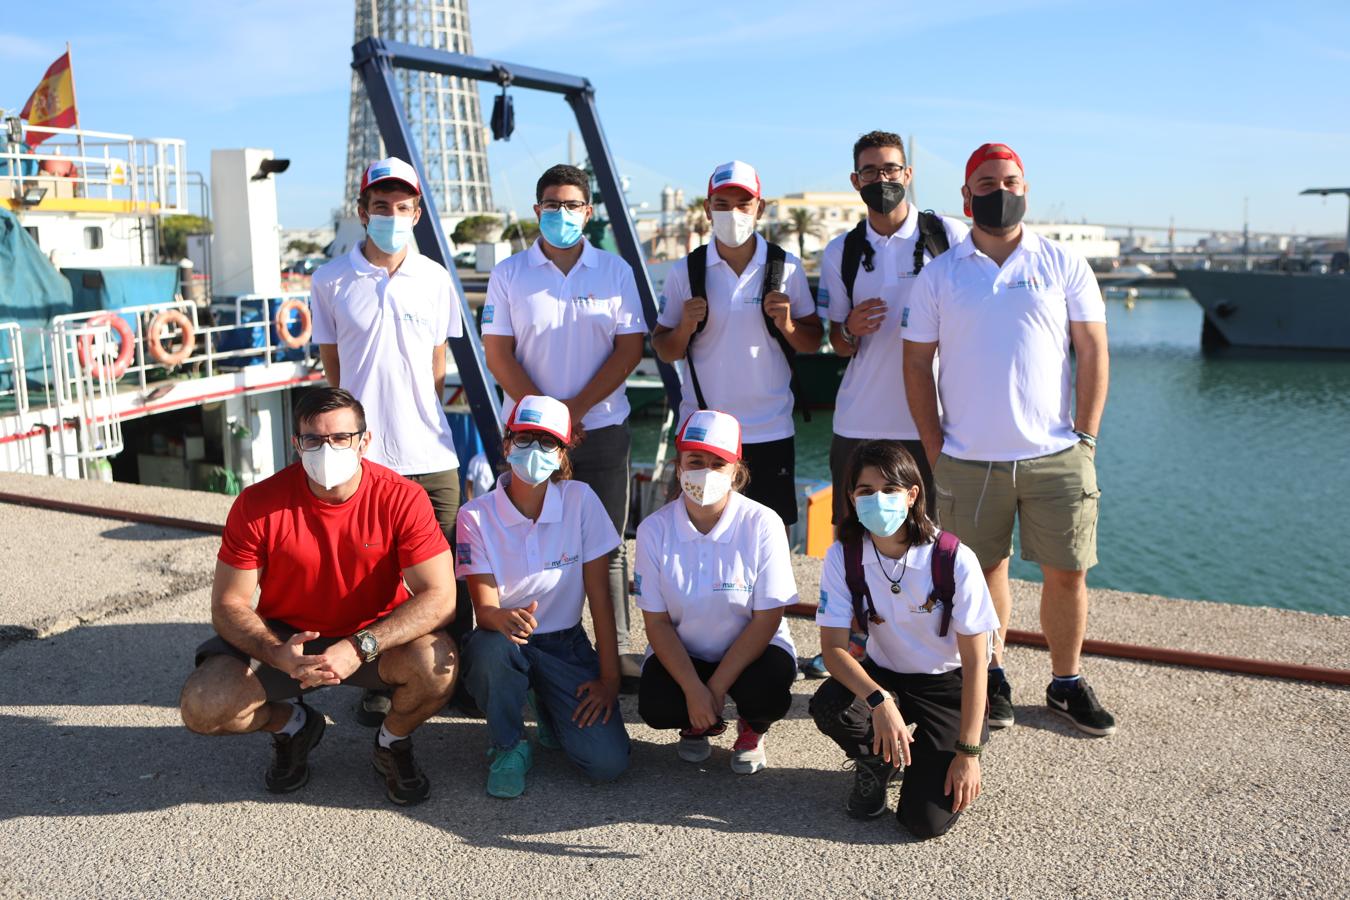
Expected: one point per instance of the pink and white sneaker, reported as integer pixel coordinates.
(747, 754)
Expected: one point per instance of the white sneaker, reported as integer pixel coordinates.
(747, 755)
(693, 747)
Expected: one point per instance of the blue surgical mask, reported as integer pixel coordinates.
(882, 514)
(390, 233)
(533, 464)
(561, 227)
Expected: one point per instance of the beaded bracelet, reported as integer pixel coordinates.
(969, 749)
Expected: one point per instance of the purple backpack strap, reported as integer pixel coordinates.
(863, 608)
(944, 575)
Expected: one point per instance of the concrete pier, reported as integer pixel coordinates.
(1215, 784)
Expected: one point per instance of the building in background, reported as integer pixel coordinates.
(443, 111)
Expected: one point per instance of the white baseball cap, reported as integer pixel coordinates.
(536, 413)
(734, 174)
(716, 432)
(391, 169)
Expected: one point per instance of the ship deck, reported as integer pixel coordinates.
(1215, 785)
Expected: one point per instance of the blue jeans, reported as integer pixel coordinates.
(499, 673)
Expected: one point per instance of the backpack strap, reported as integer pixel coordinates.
(774, 263)
(864, 610)
(944, 576)
(697, 262)
(857, 251)
(932, 237)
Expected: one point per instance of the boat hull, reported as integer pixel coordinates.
(1272, 309)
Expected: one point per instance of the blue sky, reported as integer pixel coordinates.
(1123, 113)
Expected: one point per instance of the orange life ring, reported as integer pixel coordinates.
(284, 333)
(155, 338)
(126, 346)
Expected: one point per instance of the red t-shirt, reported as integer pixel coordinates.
(333, 568)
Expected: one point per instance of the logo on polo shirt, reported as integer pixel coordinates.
(637, 585)
(695, 434)
(824, 601)
(660, 304)
(563, 560)
(590, 298)
(1027, 284)
(488, 312)
(530, 415)
(464, 554)
(904, 317)
(741, 586)
(823, 297)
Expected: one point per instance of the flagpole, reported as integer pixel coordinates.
(82, 185)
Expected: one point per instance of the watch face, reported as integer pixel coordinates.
(368, 644)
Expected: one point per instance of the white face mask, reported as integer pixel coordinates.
(733, 227)
(330, 467)
(705, 486)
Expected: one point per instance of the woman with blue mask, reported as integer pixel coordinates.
(918, 699)
(531, 551)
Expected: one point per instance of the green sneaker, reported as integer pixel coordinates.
(543, 729)
(506, 776)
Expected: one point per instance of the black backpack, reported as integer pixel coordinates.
(944, 581)
(857, 251)
(773, 281)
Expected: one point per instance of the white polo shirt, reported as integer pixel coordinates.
(710, 584)
(1003, 335)
(740, 367)
(908, 640)
(565, 325)
(871, 402)
(386, 329)
(535, 560)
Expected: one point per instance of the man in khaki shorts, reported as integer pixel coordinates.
(1005, 306)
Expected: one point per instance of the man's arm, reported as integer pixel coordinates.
(232, 612)
(610, 377)
(1089, 344)
(803, 334)
(499, 351)
(332, 366)
(438, 372)
(921, 393)
(431, 606)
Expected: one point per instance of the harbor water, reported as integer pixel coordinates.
(1223, 477)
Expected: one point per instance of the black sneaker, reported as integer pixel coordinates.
(871, 775)
(1000, 704)
(404, 781)
(290, 755)
(1082, 709)
(372, 708)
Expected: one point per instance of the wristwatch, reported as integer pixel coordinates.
(876, 698)
(849, 336)
(1089, 439)
(367, 647)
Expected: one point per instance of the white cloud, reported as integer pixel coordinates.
(16, 48)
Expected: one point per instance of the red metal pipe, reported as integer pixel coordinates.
(125, 515)
(1189, 658)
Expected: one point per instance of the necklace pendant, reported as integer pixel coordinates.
(895, 589)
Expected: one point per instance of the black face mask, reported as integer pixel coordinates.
(998, 210)
(883, 196)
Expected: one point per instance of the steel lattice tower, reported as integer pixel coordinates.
(443, 111)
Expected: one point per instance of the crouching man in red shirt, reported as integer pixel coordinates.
(356, 586)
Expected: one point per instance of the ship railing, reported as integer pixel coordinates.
(16, 449)
(211, 354)
(148, 175)
(88, 429)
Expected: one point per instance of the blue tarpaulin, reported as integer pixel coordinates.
(31, 292)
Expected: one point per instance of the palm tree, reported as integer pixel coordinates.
(695, 222)
(802, 221)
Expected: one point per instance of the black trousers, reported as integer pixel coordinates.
(762, 693)
(931, 701)
(773, 476)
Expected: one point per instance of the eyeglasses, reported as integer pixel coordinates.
(569, 205)
(547, 442)
(340, 440)
(869, 174)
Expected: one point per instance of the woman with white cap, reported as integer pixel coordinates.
(713, 576)
(531, 550)
(918, 699)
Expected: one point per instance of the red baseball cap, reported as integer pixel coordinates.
(986, 152)
(734, 174)
(391, 169)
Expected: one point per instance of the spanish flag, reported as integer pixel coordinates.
(52, 102)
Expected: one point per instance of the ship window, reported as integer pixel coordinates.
(93, 238)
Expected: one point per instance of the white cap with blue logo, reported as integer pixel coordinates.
(734, 174)
(538, 413)
(716, 432)
(391, 169)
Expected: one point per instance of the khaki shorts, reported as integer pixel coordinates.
(1054, 498)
